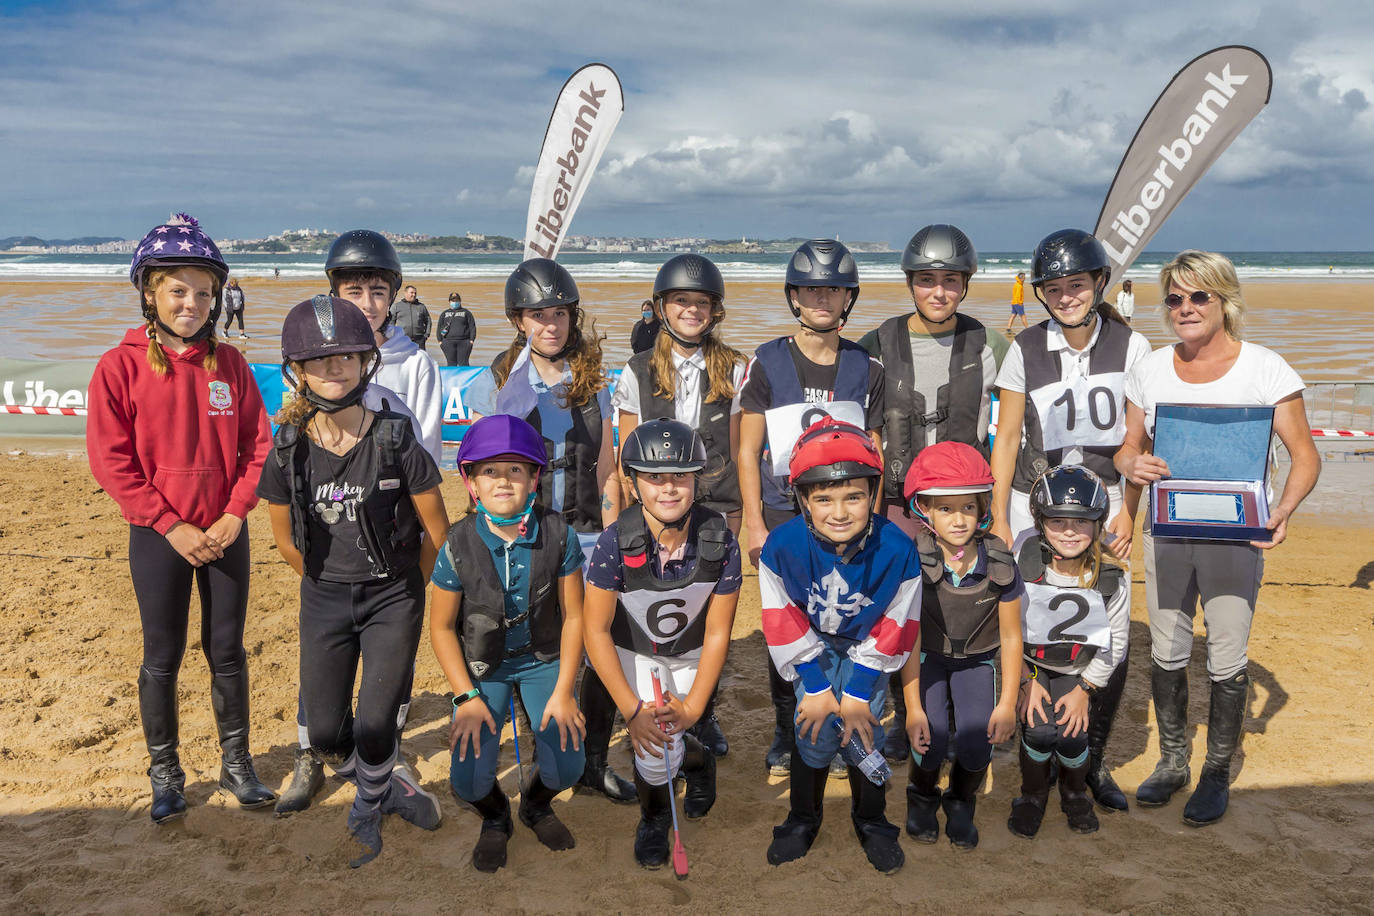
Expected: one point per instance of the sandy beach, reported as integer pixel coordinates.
(76, 836)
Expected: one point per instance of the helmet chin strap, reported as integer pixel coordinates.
(205, 330)
(334, 405)
(1099, 284)
(849, 549)
(678, 525)
(667, 327)
(839, 325)
(521, 518)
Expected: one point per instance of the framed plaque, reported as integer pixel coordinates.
(1218, 459)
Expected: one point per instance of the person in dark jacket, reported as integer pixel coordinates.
(645, 331)
(412, 317)
(457, 332)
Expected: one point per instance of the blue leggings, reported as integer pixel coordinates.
(968, 686)
(473, 778)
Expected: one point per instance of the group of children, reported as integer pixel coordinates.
(892, 556)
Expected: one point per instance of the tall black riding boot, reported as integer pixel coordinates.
(699, 766)
(229, 696)
(1101, 714)
(1073, 798)
(784, 746)
(536, 813)
(157, 707)
(655, 821)
(600, 715)
(877, 835)
(1170, 692)
(897, 747)
(960, 802)
(707, 730)
(922, 801)
(792, 838)
(1028, 808)
(1225, 721)
(490, 852)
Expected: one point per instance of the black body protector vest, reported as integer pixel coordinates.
(718, 485)
(482, 620)
(957, 402)
(958, 622)
(386, 516)
(658, 617)
(1088, 413)
(581, 452)
(1063, 626)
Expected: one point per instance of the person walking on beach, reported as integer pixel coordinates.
(233, 306)
(645, 331)
(176, 433)
(1018, 302)
(411, 315)
(1125, 301)
(1210, 364)
(456, 331)
(349, 491)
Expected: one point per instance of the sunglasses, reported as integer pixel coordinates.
(1198, 297)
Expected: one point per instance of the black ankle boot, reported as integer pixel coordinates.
(922, 801)
(699, 767)
(1225, 721)
(307, 779)
(778, 760)
(1101, 714)
(1170, 692)
(536, 813)
(792, 838)
(655, 821)
(157, 706)
(599, 712)
(1074, 800)
(1028, 809)
(229, 695)
(960, 802)
(490, 852)
(897, 745)
(876, 833)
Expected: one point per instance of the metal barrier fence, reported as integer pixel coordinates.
(1341, 410)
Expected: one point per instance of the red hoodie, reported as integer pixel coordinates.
(183, 447)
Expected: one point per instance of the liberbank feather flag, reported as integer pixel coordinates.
(583, 119)
(1192, 122)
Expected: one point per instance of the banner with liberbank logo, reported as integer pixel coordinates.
(584, 117)
(1206, 105)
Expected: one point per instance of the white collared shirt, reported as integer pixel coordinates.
(691, 375)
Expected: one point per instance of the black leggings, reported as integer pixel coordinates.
(162, 584)
(1049, 736)
(456, 352)
(378, 623)
(230, 315)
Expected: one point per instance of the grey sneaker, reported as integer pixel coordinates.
(365, 827)
(412, 803)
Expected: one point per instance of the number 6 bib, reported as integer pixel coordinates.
(668, 623)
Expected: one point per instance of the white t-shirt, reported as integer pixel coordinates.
(1125, 303)
(691, 375)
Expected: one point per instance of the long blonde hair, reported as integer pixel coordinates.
(584, 359)
(721, 358)
(157, 359)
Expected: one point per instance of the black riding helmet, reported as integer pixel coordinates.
(363, 250)
(1069, 491)
(693, 273)
(822, 262)
(662, 446)
(1068, 252)
(327, 326)
(541, 283)
(941, 247)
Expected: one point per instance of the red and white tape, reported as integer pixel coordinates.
(1342, 434)
(46, 411)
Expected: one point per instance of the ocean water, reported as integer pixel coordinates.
(1301, 265)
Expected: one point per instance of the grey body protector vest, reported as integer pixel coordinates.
(958, 622)
(1064, 626)
(1088, 412)
(666, 617)
(718, 485)
(482, 620)
(957, 402)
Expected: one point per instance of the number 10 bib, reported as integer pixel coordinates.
(1081, 412)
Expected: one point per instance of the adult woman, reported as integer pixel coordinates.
(1210, 364)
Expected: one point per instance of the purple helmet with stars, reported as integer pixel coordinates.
(179, 242)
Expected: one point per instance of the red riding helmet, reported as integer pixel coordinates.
(947, 469)
(830, 450)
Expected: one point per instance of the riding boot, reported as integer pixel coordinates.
(1028, 808)
(157, 706)
(922, 801)
(784, 746)
(307, 779)
(1101, 713)
(707, 730)
(1170, 692)
(229, 696)
(877, 835)
(699, 767)
(536, 813)
(959, 803)
(897, 747)
(490, 852)
(599, 712)
(1073, 797)
(792, 838)
(1225, 721)
(655, 820)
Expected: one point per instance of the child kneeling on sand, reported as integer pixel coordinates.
(841, 592)
(507, 610)
(664, 581)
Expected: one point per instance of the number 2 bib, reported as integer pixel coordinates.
(1056, 615)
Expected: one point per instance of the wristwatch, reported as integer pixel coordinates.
(1089, 688)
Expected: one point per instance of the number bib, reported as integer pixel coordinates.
(1065, 615)
(786, 424)
(1084, 411)
(665, 616)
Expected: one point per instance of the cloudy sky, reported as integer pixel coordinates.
(865, 120)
